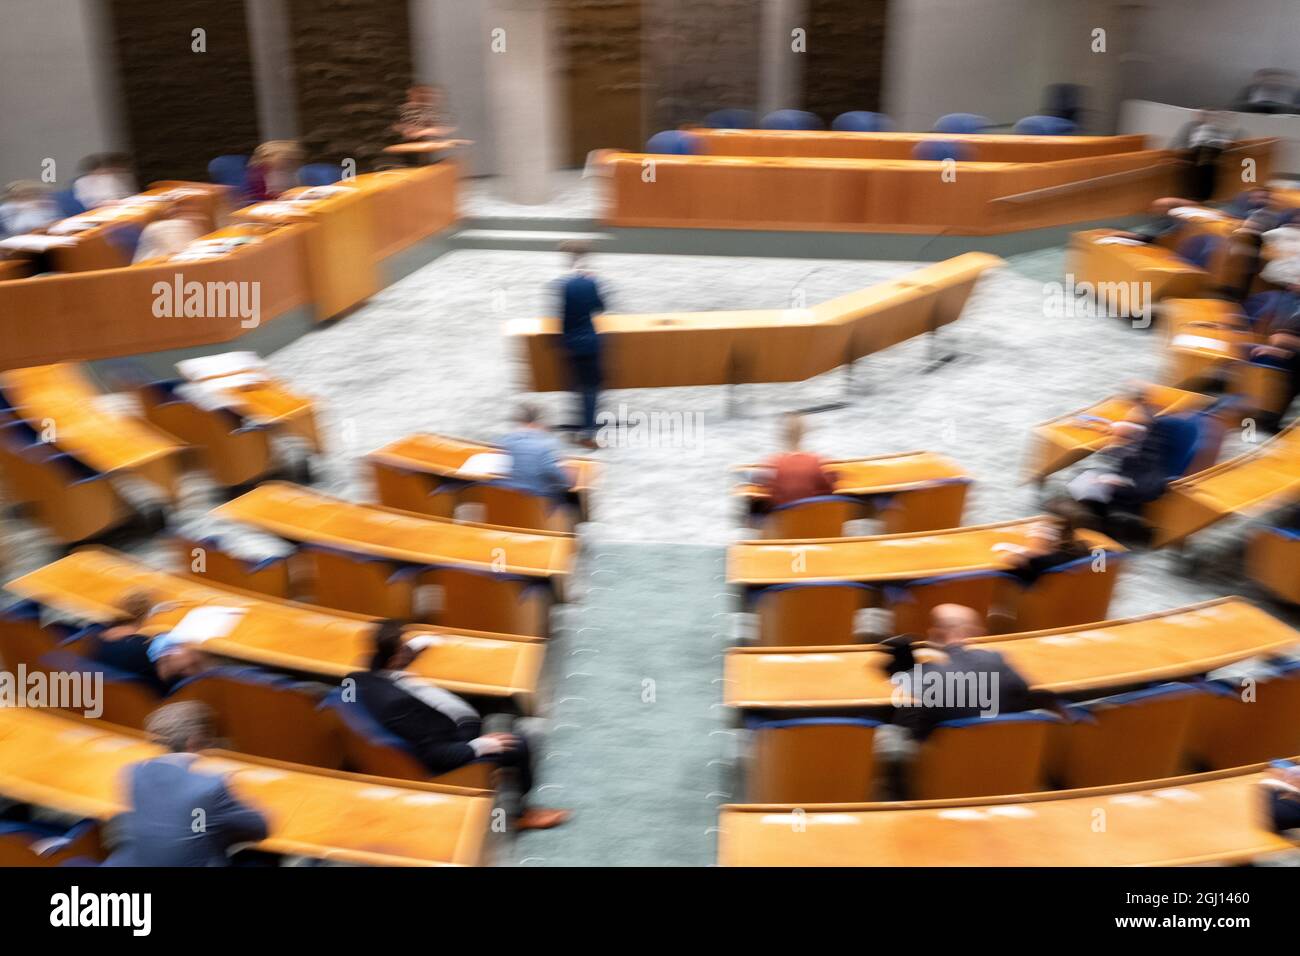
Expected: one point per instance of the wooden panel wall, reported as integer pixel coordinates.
(599, 44)
(845, 61)
(183, 108)
(352, 64)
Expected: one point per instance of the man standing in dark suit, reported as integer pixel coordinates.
(180, 816)
(443, 730)
(580, 302)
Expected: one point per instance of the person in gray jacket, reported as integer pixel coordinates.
(180, 816)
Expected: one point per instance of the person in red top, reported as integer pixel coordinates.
(795, 474)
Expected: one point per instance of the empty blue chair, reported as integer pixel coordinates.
(1045, 126)
(983, 756)
(68, 203)
(862, 121)
(320, 174)
(1183, 435)
(962, 123)
(936, 150)
(672, 142)
(229, 171)
(731, 119)
(792, 119)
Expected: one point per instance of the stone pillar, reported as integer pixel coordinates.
(272, 53)
(780, 81)
(523, 96)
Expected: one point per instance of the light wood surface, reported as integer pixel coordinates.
(1267, 476)
(92, 584)
(1206, 818)
(878, 475)
(60, 399)
(75, 767)
(884, 558)
(1069, 438)
(1092, 657)
(300, 514)
(771, 345)
(446, 457)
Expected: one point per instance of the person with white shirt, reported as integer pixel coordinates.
(106, 179)
(443, 730)
(27, 207)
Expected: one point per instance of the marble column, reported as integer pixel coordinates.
(525, 112)
(272, 53)
(780, 67)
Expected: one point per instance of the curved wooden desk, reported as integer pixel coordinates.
(70, 765)
(883, 558)
(1062, 441)
(93, 583)
(107, 442)
(984, 147)
(878, 474)
(1265, 476)
(1121, 273)
(771, 345)
(300, 514)
(445, 457)
(1168, 645)
(1204, 818)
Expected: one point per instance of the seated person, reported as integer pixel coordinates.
(159, 661)
(1128, 473)
(1052, 543)
(164, 794)
(105, 179)
(998, 687)
(535, 457)
(1283, 346)
(1281, 789)
(424, 114)
(28, 207)
(443, 730)
(179, 226)
(795, 474)
(1269, 91)
(1162, 225)
(273, 169)
(1201, 143)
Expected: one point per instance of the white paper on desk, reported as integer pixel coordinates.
(205, 623)
(319, 192)
(486, 463)
(208, 395)
(1119, 241)
(1187, 341)
(1195, 212)
(221, 364)
(30, 242)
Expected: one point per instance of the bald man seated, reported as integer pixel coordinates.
(964, 682)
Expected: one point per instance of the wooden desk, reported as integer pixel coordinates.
(772, 345)
(983, 147)
(1168, 645)
(61, 398)
(1064, 440)
(884, 195)
(410, 205)
(1267, 476)
(878, 475)
(1205, 818)
(92, 585)
(269, 402)
(340, 262)
(881, 559)
(300, 514)
(1122, 273)
(75, 767)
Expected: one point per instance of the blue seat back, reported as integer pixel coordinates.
(731, 119)
(936, 150)
(229, 171)
(1198, 249)
(792, 119)
(962, 123)
(319, 174)
(1045, 126)
(672, 142)
(68, 203)
(862, 121)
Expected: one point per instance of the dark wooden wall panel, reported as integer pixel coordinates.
(600, 54)
(352, 64)
(183, 108)
(701, 55)
(845, 62)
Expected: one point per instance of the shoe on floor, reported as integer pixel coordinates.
(535, 819)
